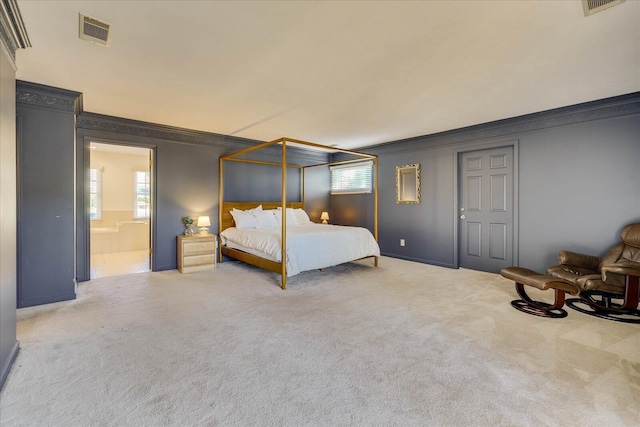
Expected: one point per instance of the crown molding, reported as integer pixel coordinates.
(618, 106)
(13, 34)
(48, 97)
(94, 122)
(118, 125)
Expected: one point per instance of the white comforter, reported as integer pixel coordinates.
(309, 247)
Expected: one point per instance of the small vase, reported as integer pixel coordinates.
(189, 231)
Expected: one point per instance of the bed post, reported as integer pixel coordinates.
(375, 204)
(282, 265)
(302, 189)
(283, 216)
(220, 198)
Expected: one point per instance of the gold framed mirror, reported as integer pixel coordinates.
(408, 184)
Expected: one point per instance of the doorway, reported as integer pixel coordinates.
(119, 209)
(487, 208)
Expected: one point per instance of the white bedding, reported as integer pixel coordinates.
(309, 247)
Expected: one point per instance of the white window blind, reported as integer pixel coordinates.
(351, 178)
(142, 206)
(95, 194)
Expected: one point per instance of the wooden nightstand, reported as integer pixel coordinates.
(197, 252)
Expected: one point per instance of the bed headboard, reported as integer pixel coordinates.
(227, 219)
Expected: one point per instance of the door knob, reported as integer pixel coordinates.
(463, 216)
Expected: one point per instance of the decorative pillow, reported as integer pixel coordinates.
(301, 216)
(291, 219)
(265, 219)
(243, 219)
(254, 210)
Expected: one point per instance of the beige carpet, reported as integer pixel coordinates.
(403, 344)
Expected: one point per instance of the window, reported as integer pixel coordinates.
(142, 207)
(351, 178)
(95, 194)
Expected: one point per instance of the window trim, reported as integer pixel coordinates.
(135, 194)
(354, 165)
(98, 194)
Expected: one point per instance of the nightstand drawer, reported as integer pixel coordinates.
(197, 253)
(190, 261)
(191, 248)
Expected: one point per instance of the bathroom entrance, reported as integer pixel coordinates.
(119, 209)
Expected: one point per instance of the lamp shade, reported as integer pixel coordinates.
(325, 217)
(203, 221)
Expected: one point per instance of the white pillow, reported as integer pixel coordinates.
(243, 219)
(265, 219)
(301, 217)
(254, 210)
(291, 219)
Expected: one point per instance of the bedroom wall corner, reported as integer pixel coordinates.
(317, 192)
(8, 273)
(46, 193)
(13, 36)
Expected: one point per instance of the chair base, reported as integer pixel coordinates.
(525, 277)
(539, 308)
(604, 307)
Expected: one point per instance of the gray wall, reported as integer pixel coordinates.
(317, 194)
(186, 184)
(8, 343)
(251, 182)
(13, 36)
(579, 183)
(46, 199)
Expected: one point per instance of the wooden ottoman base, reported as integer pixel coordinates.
(523, 276)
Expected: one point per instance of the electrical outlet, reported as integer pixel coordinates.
(401, 242)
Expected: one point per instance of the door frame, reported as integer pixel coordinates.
(83, 223)
(476, 146)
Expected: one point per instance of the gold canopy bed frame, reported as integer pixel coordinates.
(225, 220)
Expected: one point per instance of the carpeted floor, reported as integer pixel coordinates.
(402, 344)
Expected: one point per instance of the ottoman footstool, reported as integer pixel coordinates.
(525, 277)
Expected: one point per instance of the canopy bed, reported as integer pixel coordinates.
(256, 232)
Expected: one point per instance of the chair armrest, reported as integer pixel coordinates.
(590, 281)
(570, 272)
(624, 267)
(579, 260)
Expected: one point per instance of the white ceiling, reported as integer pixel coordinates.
(346, 73)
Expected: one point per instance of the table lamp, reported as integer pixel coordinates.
(325, 217)
(203, 223)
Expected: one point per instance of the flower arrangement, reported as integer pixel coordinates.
(188, 225)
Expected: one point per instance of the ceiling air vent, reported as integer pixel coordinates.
(593, 6)
(94, 31)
